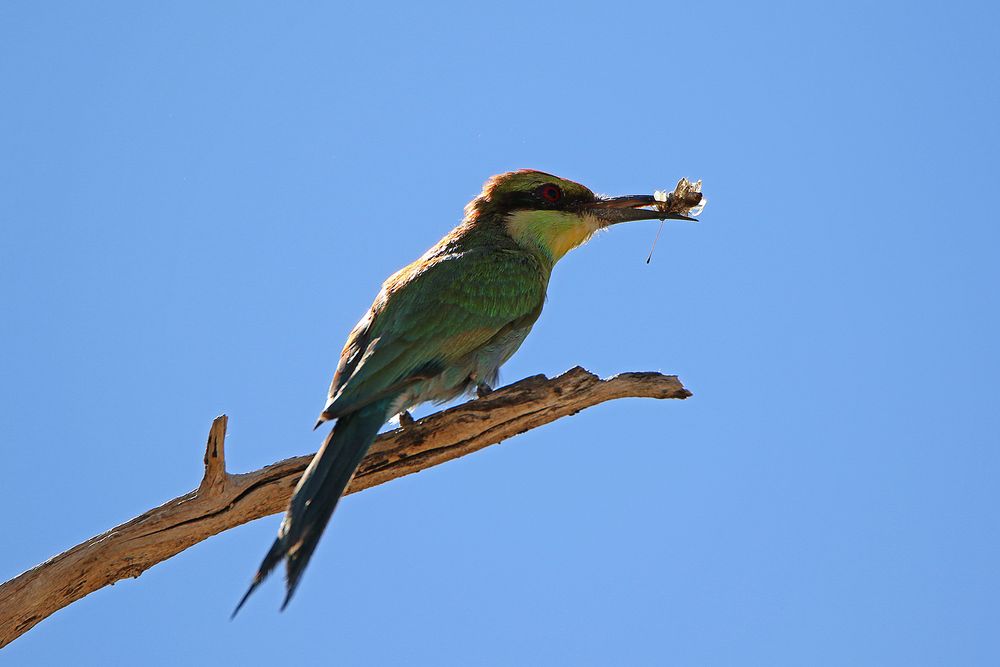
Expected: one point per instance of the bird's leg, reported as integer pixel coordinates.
(405, 419)
(483, 390)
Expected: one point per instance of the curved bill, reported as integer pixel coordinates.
(612, 210)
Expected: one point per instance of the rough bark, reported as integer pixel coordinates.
(224, 500)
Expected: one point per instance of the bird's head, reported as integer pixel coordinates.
(551, 215)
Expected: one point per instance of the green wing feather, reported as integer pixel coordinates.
(431, 315)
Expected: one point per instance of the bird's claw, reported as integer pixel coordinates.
(483, 390)
(406, 419)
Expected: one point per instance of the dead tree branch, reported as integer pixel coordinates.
(225, 500)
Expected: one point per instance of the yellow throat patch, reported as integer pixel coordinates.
(553, 232)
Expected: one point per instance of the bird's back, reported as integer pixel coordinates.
(455, 314)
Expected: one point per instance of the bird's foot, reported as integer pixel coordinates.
(483, 390)
(406, 419)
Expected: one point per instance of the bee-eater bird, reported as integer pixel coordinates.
(443, 326)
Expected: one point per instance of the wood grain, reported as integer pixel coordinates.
(224, 500)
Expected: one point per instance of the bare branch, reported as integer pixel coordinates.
(223, 500)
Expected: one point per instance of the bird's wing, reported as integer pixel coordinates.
(430, 314)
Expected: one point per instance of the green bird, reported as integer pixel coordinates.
(441, 327)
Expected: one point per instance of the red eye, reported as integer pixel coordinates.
(550, 193)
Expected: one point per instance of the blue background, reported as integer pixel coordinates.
(198, 201)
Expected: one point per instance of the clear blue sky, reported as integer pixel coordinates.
(198, 202)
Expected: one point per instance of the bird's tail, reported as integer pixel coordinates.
(317, 493)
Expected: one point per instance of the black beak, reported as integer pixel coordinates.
(612, 210)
